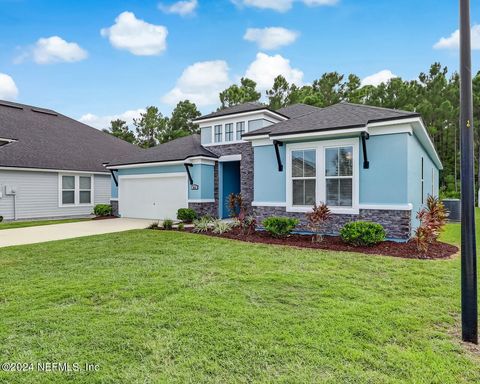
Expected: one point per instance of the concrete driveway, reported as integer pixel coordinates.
(41, 234)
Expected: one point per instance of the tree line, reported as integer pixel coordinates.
(434, 94)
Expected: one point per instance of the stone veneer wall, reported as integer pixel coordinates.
(397, 224)
(114, 204)
(246, 168)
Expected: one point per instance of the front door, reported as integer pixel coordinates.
(230, 184)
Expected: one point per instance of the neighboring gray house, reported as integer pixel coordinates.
(51, 165)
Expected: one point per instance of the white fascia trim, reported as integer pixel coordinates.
(114, 199)
(223, 143)
(201, 200)
(314, 135)
(242, 114)
(152, 176)
(201, 160)
(230, 158)
(429, 147)
(52, 170)
(146, 165)
(269, 204)
(387, 130)
(7, 140)
(255, 138)
(388, 207)
(261, 142)
(393, 122)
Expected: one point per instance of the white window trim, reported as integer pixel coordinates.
(320, 186)
(76, 190)
(223, 142)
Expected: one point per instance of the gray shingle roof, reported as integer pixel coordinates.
(297, 110)
(240, 108)
(338, 116)
(49, 140)
(175, 150)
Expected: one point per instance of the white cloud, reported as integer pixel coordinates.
(265, 68)
(102, 122)
(8, 88)
(136, 36)
(53, 49)
(316, 3)
(271, 38)
(378, 78)
(453, 41)
(276, 5)
(200, 83)
(182, 8)
(281, 5)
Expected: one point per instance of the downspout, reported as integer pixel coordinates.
(365, 137)
(277, 144)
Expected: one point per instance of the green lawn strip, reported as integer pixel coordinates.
(155, 306)
(36, 223)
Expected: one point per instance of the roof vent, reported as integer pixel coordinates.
(7, 104)
(45, 111)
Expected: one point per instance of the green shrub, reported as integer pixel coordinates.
(102, 210)
(167, 224)
(1, 219)
(203, 224)
(280, 226)
(154, 225)
(181, 226)
(362, 233)
(186, 214)
(220, 227)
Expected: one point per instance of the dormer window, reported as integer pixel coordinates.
(229, 132)
(218, 133)
(240, 130)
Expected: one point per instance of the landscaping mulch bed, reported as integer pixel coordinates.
(437, 250)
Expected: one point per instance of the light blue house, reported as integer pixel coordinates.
(366, 163)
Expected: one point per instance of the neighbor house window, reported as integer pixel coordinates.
(229, 132)
(240, 129)
(339, 176)
(76, 190)
(68, 190)
(218, 133)
(303, 177)
(85, 194)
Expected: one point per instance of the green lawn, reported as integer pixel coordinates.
(166, 307)
(36, 223)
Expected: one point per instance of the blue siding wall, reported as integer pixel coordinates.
(385, 182)
(269, 183)
(430, 186)
(114, 188)
(202, 175)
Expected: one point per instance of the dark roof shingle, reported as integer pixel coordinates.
(338, 116)
(175, 150)
(240, 108)
(46, 139)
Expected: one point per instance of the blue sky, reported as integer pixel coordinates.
(53, 53)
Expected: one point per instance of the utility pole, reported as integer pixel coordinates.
(469, 256)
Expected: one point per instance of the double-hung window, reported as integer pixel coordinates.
(76, 190)
(218, 134)
(304, 172)
(240, 130)
(339, 176)
(229, 132)
(68, 190)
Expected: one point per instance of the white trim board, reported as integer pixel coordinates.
(199, 201)
(388, 207)
(268, 204)
(153, 175)
(227, 158)
(265, 111)
(52, 170)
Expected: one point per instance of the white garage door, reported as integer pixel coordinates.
(152, 197)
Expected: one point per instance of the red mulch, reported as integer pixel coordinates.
(437, 250)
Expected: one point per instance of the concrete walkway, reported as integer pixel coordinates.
(44, 233)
